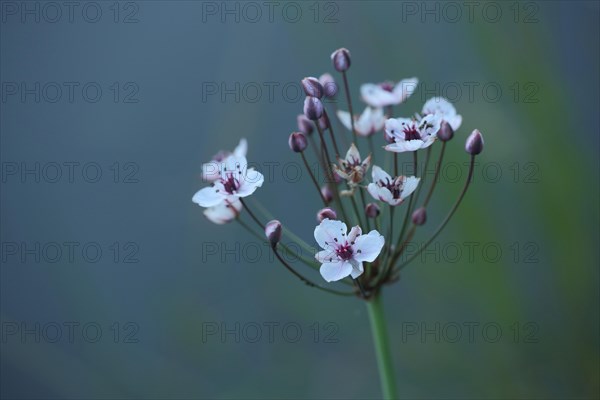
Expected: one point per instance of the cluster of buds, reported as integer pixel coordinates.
(364, 261)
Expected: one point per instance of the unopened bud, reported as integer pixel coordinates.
(324, 122)
(304, 124)
(312, 87)
(330, 88)
(327, 193)
(273, 231)
(326, 213)
(446, 132)
(372, 210)
(313, 108)
(419, 216)
(341, 59)
(297, 142)
(474, 144)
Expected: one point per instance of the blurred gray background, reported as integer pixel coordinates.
(108, 111)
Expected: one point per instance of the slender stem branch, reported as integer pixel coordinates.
(448, 217)
(349, 100)
(355, 207)
(364, 206)
(371, 148)
(436, 175)
(312, 177)
(252, 214)
(335, 146)
(305, 280)
(382, 348)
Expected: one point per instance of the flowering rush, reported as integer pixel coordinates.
(385, 194)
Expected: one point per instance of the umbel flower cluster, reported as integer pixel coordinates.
(383, 205)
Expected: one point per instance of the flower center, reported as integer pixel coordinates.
(387, 86)
(411, 133)
(394, 187)
(344, 252)
(230, 184)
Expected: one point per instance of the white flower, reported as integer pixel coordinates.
(386, 94)
(410, 135)
(224, 212)
(445, 109)
(391, 191)
(352, 168)
(344, 253)
(236, 180)
(211, 171)
(370, 121)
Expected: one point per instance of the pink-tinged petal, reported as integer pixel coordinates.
(332, 272)
(395, 127)
(354, 233)
(344, 118)
(439, 105)
(402, 146)
(380, 193)
(454, 121)
(378, 119)
(405, 88)
(210, 196)
(224, 212)
(367, 247)
(375, 96)
(410, 185)
(211, 171)
(357, 269)
(327, 256)
(242, 148)
(428, 142)
(353, 156)
(234, 165)
(430, 125)
(330, 232)
(249, 182)
(378, 174)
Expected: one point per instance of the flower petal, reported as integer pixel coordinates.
(378, 174)
(210, 196)
(354, 233)
(402, 146)
(224, 212)
(327, 256)
(405, 88)
(211, 171)
(380, 193)
(344, 117)
(329, 232)
(242, 148)
(375, 96)
(367, 247)
(357, 269)
(332, 272)
(409, 185)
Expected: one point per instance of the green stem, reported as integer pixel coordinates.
(382, 349)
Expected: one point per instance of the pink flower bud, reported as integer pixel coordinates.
(313, 108)
(330, 88)
(341, 59)
(419, 216)
(304, 124)
(474, 144)
(446, 132)
(312, 87)
(297, 142)
(326, 213)
(273, 231)
(372, 210)
(327, 193)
